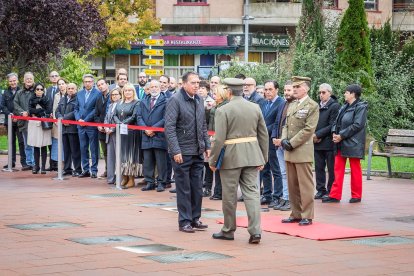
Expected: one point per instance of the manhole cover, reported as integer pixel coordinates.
(211, 215)
(383, 241)
(157, 204)
(107, 239)
(406, 219)
(110, 195)
(46, 225)
(149, 248)
(187, 257)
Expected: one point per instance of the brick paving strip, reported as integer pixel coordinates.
(151, 237)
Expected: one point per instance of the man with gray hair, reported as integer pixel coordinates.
(240, 150)
(8, 107)
(322, 139)
(21, 108)
(88, 135)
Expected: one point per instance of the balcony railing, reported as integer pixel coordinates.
(403, 6)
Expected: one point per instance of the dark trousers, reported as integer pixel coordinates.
(208, 176)
(154, 157)
(71, 151)
(217, 184)
(324, 158)
(104, 152)
(272, 169)
(188, 182)
(36, 153)
(17, 136)
(169, 169)
(88, 139)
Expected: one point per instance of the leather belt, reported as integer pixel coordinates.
(240, 140)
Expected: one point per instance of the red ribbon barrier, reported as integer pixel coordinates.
(70, 122)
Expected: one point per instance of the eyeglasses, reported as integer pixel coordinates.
(115, 95)
(39, 89)
(322, 92)
(54, 76)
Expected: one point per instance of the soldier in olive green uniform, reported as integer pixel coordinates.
(301, 120)
(241, 129)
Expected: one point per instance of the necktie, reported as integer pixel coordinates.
(152, 102)
(87, 96)
(141, 93)
(268, 104)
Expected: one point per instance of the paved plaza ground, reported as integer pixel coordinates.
(26, 198)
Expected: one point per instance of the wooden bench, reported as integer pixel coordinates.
(400, 142)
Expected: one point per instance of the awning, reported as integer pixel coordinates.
(133, 51)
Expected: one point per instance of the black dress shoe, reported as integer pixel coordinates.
(34, 171)
(85, 174)
(27, 168)
(149, 187)
(354, 200)
(305, 222)
(168, 185)
(319, 195)
(264, 201)
(274, 203)
(330, 200)
(42, 172)
(160, 188)
(285, 206)
(199, 225)
(290, 220)
(93, 175)
(7, 166)
(67, 173)
(186, 229)
(173, 191)
(206, 192)
(220, 236)
(215, 197)
(75, 174)
(255, 239)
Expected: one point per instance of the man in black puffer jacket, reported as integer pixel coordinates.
(186, 133)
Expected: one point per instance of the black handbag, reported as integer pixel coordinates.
(46, 125)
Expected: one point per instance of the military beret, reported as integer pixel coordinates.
(297, 80)
(234, 83)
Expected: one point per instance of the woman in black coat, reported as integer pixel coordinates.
(38, 137)
(349, 133)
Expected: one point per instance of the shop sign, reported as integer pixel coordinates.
(153, 72)
(265, 41)
(189, 41)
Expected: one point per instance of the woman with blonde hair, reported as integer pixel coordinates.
(221, 98)
(131, 157)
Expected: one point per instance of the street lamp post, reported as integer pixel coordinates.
(246, 19)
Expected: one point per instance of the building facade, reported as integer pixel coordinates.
(200, 34)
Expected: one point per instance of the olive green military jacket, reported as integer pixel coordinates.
(301, 122)
(239, 119)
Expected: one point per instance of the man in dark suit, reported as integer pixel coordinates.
(70, 137)
(154, 145)
(188, 141)
(323, 144)
(101, 108)
(8, 107)
(88, 135)
(270, 108)
(50, 95)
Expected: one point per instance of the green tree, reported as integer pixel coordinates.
(125, 21)
(353, 46)
(311, 24)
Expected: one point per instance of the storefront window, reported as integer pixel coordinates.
(255, 57)
(186, 60)
(269, 57)
(171, 60)
(207, 60)
(134, 60)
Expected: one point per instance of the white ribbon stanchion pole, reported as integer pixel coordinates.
(60, 149)
(118, 156)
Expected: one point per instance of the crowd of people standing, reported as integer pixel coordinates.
(298, 132)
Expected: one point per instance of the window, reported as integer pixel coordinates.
(255, 57)
(269, 57)
(186, 60)
(371, 5)
(171, 60)
(134, 60)
(190, 2)
(330, 4)
(207, 60)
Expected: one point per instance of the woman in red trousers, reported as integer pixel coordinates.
(349, 132)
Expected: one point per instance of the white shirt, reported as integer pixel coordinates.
(303, 99)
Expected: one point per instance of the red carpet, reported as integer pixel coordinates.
(317, 231)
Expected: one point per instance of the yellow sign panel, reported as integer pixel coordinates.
(154, 42)
(156, 62)
(154, 52)
(154, 72)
